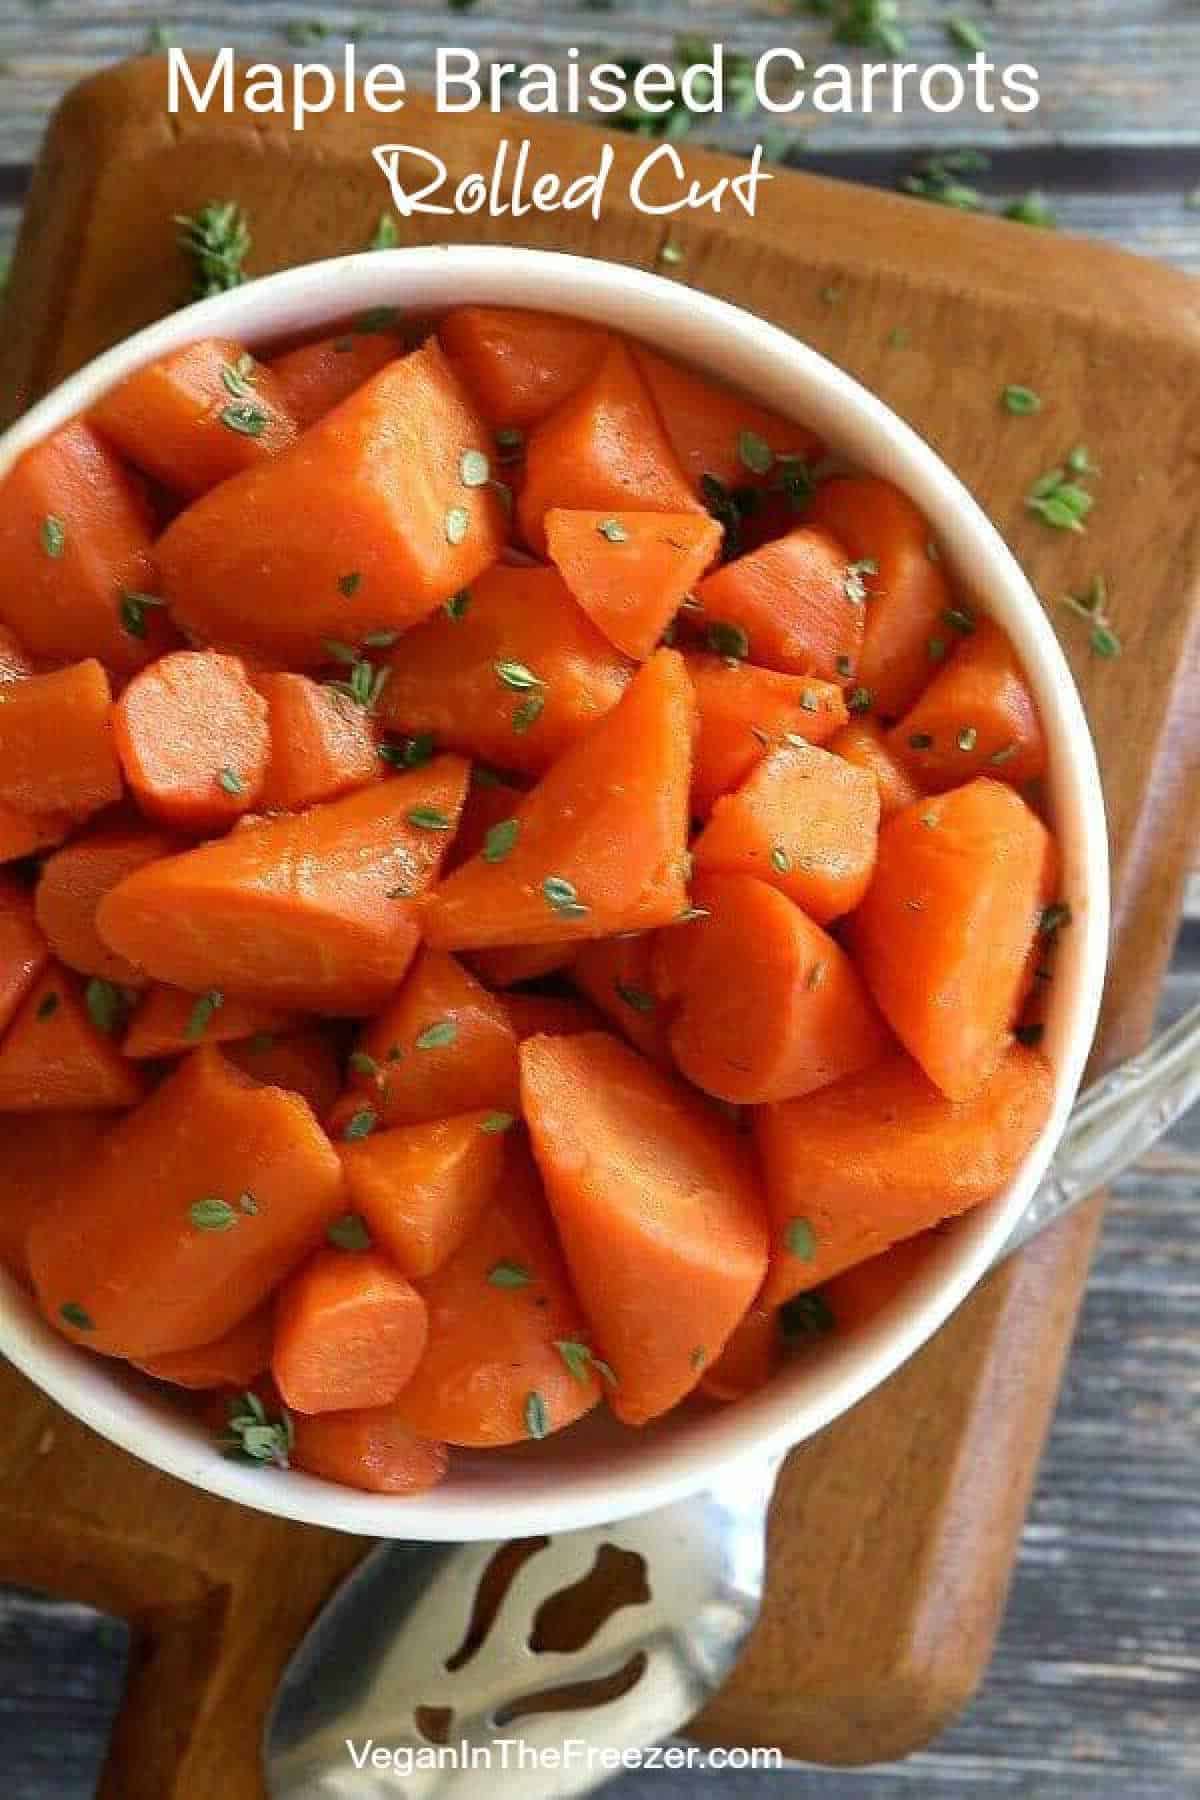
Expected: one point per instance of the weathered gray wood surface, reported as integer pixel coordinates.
(1095, 1688)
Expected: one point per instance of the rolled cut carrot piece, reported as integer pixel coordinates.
(520, 364)
(502, 968)
(38, 1163)
(515, 672)
(75, 542)
(864, 743)
(169, 1021)
(750, 1358)
(442, 1045)
(766, 1005)
(603, 449)
(53, 1058)
(944, 934)
(192, 735)
(235, 1184)
(907, 591)
(856, 1295)
(24, 952)
(976, 717)
(315, 911)
(491, 800)
(550, 1015)
(321, 743)
(804, 821)
(421, 1188)
(794, 604)
(370, 1449)
(336, 538)
(234, 1360)
(349, 1331)
(314, 378)
(301, 1061)
(56, 742)
(501, 1311)
(197, 416)
(883, 1155)
(743, 711)
(24, 834)
(656, 1208)
(616, 975)
(600, 845)
(717, 432)
(75, 880)
(631, 571)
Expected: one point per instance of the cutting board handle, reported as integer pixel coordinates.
(176, 1619)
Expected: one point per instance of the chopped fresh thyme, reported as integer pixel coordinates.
(537, 1417)
(429, 818)
(231, 782)
(613, 531)
(967, 738)
(386, 234)
(134, 608)
(800, 1239)
(47, 1006)
(201, 1015)
(853, 585)
(73, 1314)
(349, 584)
(54, 536)
(635, 997)
(360, 1124)
(349, 1233)
(474, 470)
(727, 640)
(517, 676)
(1059, 502)
(217, 242)
(1032, 208)
(456, 606)
(509, 1275)
(244, 417)
(438, 1036)
(211, 1214)
(253, 1436)
(1020, 400)
(458, 524)
(496, 1122)
(755, 453)
(1092, 605)
(561, 896)
(500, 840)
(964, 34)
(106, 1004)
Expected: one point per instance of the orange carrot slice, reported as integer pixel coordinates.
(192, 736)
(322, 743)
(170, 1022)
(717, 432)
(234, 1185)
(369, 1449)
(615, 974)
(314, 910)
(663, 1229)
(749, 1359)
(56, 742)
(234, 1360)
(515, 672)
(804, 821)
(944, 934)
(75, 880)
(315, 378)
(976, 717)
(420, 1189)
(54, 1059)
(36, 1167)
(197, 416)
(882, 1155)
(631, 571)
(600, 843)
(795, 604)
(743, 710)
(301, 1061)
(520, 364)
(23, 949)
(549, 1015)
(24, 834)
(349, 1331)
(501, 1310)
(505, 967)
(863, 743)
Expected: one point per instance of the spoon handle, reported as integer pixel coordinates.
(1113, 1122)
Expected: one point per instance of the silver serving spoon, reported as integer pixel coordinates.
(400, 1660)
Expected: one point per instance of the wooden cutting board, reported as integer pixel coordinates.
(892, 1534)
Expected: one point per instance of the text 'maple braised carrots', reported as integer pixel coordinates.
(584, 998)
(315, 910)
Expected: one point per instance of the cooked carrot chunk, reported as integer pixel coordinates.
(491, 800)
(764, 1005)
(315, 378)
(75, 880)
(615, 974)
(234, 1360)
(38, 1164)
(795, 604)
(53, 1058)
(976, 717)
(443, 1045)
(56, 742)
(858, 1293)
(863, 743)
(197, 416)
(192, 736)
(743, 710)
(882, 1155)
(803, 820)
(631, 571)
(550, 1015)
(644, 1180)
(520, 364)
(603, 449)
(74, 544)
(23, 948)
(601, 841)
(301, 1061)
(369, 1449)
(366, 524)
(349, 1331)
(314, 910)
(749, 1359)
(889, 541)
(944, 934)
(169, 1022)
(234, 1183)
(322, 743)
(505, 967)
(420, 1189)
(514, 672)
(718, 433)
(501, 1310)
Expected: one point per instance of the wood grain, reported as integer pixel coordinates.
(915, 1501)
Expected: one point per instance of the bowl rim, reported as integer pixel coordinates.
(499, 1495)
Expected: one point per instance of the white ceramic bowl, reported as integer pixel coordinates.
(598, 1471)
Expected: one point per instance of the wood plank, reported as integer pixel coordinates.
(915, 1500)
(1109, 75)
